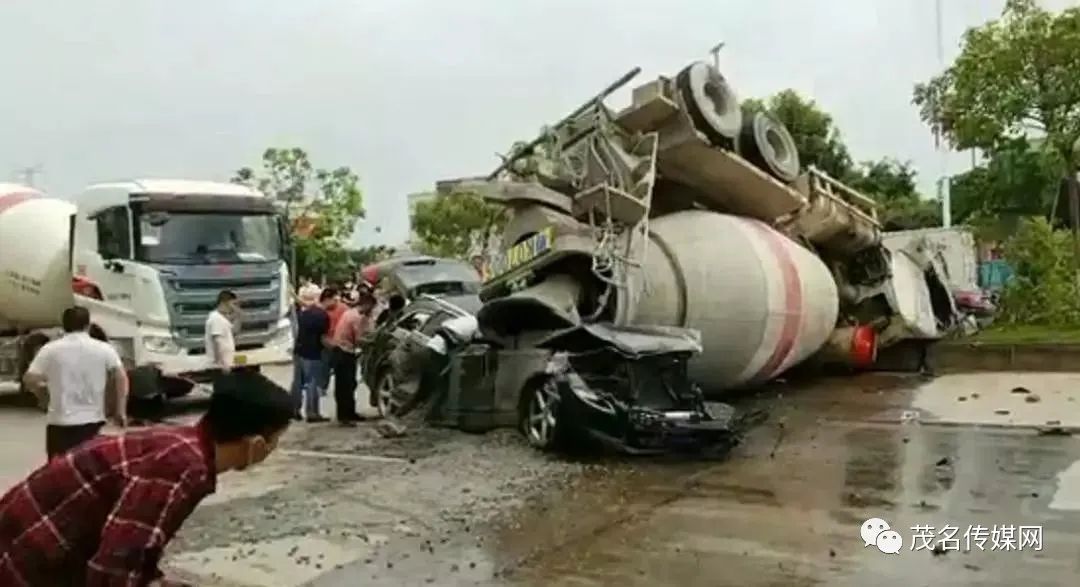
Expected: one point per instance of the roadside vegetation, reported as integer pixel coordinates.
(1013, 97)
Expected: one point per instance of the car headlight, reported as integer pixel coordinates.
(161, 344)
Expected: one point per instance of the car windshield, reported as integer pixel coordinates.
(197, 237)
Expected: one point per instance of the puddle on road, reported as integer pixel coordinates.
(1067, 496)
(1039, 399)
(786, 508)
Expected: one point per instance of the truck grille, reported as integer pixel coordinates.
(191, 297)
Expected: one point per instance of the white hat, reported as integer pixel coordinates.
(309, 294)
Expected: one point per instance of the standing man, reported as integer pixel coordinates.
(104, 514)
(312, 338)
(219, 340)
(347, 335)
(304, 300)
(72, 375)
(335, 310)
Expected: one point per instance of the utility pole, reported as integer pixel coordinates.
(715, 52)
(26, 175)
(943, 180)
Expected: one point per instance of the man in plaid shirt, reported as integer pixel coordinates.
(103, 513)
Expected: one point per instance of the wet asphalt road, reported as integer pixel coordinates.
(346, 507)
(787, 507)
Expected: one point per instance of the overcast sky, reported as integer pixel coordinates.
(410, 91)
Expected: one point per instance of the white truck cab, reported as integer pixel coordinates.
(150, 257)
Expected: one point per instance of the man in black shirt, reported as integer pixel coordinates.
(312, 336)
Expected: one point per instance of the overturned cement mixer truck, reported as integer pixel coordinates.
(684, 210)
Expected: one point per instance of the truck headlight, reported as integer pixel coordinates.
(283, 337)
(161, 344)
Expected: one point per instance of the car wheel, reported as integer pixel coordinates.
(384, 393)
(540, 421)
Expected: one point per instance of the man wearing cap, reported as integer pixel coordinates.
(348, 332)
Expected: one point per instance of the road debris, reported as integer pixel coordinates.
(389, 428)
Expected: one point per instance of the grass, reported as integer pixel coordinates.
(1028, 334)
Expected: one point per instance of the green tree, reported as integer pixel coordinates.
(816, 136)
(1042, 290)
(1015, 77)
(368, 255)
(1018, 177)
(321, 207)
(892, 184)
(820, 144)
(456, 224)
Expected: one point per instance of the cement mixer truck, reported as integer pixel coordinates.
(682, 209)
(147, 258)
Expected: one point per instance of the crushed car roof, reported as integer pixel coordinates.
(629, 340)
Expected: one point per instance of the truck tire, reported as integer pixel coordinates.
(711, 103)
(766, 142)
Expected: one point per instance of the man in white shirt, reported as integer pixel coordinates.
(71, 374)
(219, 340)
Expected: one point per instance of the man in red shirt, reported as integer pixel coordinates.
(347, 335)
(102, 514)
(330, 299)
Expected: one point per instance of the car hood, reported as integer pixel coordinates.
(630, 341)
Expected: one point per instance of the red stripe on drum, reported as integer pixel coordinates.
(793, 301)
(12, 199)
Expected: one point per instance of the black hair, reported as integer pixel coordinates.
(247, 404)
(364, 298)
(328, 294)
(75, 319)
(97, 332)
(226, 295)
(396, 302)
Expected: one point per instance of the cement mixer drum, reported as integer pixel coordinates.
(35, 271)
(762, 302)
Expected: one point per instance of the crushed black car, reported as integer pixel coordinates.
(625, 388)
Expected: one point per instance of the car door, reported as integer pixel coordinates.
(390, 336)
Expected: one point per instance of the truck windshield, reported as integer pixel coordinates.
(193, 238)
